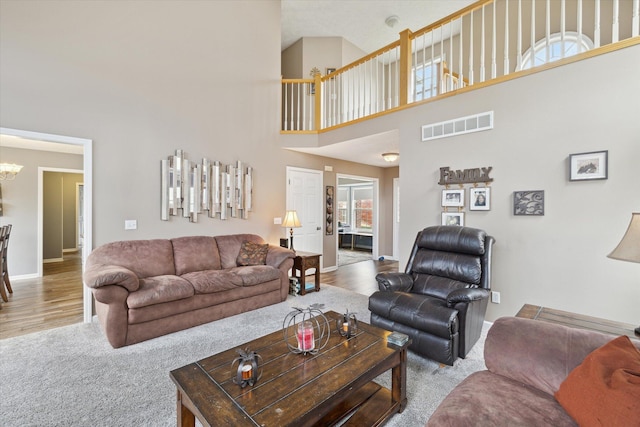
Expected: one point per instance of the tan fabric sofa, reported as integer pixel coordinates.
(527, 361)
(147, 288)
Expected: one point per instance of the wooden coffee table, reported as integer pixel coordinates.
(295, 389)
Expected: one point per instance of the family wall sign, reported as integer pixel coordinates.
(465, 176)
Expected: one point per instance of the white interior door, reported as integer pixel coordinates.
(304, 194)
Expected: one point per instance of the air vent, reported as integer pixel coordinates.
(475, 123)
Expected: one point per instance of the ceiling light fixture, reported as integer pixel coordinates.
(390, 157)
(8, 171)
(392, 21)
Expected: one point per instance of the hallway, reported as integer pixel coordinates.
(47, 302)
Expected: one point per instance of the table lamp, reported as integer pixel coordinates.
(291, 220)
(629, 247)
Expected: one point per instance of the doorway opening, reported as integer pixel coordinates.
(28, 138)
(357, 218)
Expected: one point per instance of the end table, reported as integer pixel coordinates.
(301, 263)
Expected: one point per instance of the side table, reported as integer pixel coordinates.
(301, 263)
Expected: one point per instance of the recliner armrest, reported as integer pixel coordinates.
(402, 282)
(466, 295)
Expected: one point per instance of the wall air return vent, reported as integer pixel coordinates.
(462, 125)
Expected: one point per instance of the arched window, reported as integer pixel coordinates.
(556, 47)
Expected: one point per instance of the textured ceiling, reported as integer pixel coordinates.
(361, 22)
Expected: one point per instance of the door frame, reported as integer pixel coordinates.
(40, 233)
(87, 159)
(376, 210)
(396, 219)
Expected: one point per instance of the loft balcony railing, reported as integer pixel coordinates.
(488, 42)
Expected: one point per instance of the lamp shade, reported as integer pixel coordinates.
(629, 247)
(291, 220)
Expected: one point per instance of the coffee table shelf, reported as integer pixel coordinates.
(298, 390)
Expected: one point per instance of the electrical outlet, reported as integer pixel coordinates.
(130, 224)
(495, 297)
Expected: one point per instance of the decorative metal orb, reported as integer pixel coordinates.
(249, 370)
(347, 326)
(306, 331)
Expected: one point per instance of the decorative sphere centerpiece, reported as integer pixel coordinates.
(306, 330)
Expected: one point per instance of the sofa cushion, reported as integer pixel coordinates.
(605, 388)
(195, 253)
(209, 281)
(487, 399)
(229, 247)
(159, 289)
(252, 254)
(256, 274)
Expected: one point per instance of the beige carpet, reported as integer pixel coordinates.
(70, 376)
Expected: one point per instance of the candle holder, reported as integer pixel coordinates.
(347, 326)
(249, 370)
(306, 330)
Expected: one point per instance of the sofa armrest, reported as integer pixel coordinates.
(99, 275)
(466, 295)
(277, 255)
(538, 353)
(402, 282)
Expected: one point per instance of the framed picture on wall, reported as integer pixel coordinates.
(453, 198)
(453, 218)
(528, 202)
(480, 199)
(588, 166)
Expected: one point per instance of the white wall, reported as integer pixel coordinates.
(559, 259)
(141, 79)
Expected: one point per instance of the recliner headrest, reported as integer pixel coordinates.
(453, 238)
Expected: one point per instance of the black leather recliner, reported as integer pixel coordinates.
(441, 299)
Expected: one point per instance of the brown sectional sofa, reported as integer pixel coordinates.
(527, 361)
(147, 288)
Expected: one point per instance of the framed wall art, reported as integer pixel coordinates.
(453, 218)
(453, 198)
(329, 208)
(588, 166)
(480, 199)
(528, 202)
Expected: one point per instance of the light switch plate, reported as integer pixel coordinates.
(130, 224)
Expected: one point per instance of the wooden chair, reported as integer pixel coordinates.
(3, 233)
(5, 267)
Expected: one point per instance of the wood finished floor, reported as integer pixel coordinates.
(55, 299)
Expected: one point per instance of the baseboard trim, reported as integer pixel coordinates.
(25, 276)
(328, 269)
(50, 260)
(66, 251)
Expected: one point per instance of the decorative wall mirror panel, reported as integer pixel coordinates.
(190, 188)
